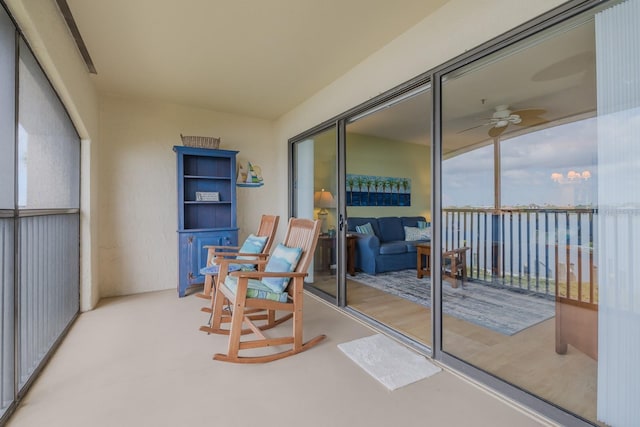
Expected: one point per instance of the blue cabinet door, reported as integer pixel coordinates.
(193, 254)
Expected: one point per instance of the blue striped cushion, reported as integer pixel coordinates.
(256, 289)
(215, 269)
(364, 228)
(253, 245)
(284, 259)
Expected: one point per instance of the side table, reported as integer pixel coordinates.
(423, 251)
(327, 245)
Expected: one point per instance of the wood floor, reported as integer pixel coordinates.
(526, 359)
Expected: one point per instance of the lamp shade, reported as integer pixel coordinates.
(323, 199)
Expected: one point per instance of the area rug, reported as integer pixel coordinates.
(499, 309)
(388, 361)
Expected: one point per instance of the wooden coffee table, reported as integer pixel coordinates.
(423, 251)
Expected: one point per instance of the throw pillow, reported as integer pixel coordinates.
(424, 224)
(415, 233)
(365, 228)
(283, 259)
(253, 245)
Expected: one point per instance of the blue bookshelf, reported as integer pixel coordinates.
(203, 222)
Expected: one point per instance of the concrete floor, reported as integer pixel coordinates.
(141, 361)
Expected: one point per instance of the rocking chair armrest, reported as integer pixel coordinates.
(222, 260)
(236, 254)
(260, 274)
(222, 247)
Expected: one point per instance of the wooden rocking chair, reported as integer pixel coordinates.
(267, 228)
(254, 298)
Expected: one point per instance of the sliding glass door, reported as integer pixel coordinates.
(539, 144)
(534, 205)
(388, 204)
(377, 172)
(315, 196)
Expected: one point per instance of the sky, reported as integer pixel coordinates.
(556, 166)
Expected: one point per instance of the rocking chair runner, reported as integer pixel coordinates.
(253, 293)
(267, 228)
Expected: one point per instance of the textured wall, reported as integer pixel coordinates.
(138, 212)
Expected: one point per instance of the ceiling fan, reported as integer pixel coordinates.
(503, 117)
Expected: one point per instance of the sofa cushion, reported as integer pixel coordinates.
(411, 246)
(391, 229)
(393, 248)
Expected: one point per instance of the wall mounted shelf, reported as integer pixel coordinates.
(249, 184)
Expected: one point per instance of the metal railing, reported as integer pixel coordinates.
(530, 249)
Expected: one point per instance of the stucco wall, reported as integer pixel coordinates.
(138, 208)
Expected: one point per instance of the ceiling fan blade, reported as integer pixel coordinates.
(532, 121)
(495, 132)
(473, 127)
(529, 112)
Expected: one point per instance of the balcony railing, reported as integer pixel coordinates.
(533, 250)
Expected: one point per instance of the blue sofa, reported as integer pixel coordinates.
(387, 249)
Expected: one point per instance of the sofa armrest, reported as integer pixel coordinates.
(368, 243)
(368, 250)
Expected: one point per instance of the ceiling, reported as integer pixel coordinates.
(554, 71)
(254, 58)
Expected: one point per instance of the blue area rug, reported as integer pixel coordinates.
(499, 309)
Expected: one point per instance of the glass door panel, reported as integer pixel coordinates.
(315, 194)
(520, 175)
(388, 193)
(7, 205)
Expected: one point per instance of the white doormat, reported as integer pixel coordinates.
(388, 361)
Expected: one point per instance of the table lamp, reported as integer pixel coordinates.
(323, 199)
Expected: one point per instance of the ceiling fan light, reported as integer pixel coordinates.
(514, 118)
(501, 123)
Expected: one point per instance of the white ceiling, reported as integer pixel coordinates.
(554, 71)
(256, 58)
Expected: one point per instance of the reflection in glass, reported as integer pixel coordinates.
(520, 175)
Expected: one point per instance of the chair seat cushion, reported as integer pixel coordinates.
(256, 289)
(215, 269)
